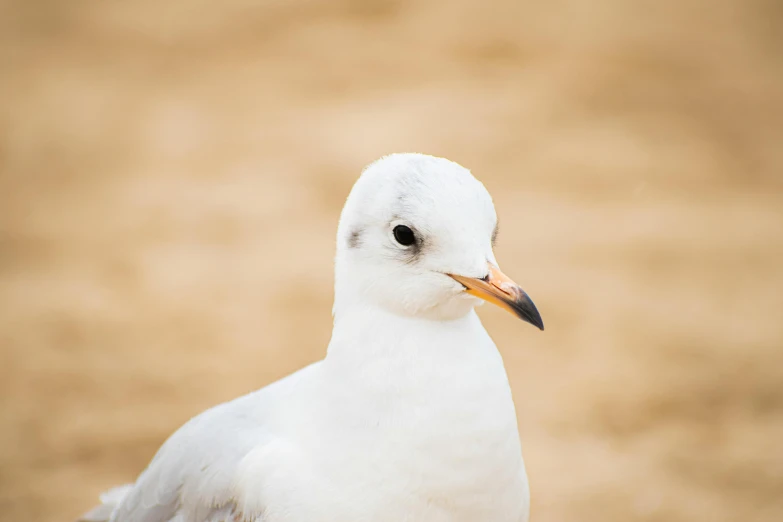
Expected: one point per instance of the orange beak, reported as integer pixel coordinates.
(497, 288)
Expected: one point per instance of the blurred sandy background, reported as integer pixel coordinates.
(172, 172)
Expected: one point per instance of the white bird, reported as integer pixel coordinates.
(409, 417)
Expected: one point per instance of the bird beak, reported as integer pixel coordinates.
(497, 288)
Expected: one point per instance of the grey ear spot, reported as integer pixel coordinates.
(354, 238)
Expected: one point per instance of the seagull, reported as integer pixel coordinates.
(409, 416)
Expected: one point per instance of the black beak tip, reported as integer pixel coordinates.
(527, 311)
(540, 325)
(536, 321)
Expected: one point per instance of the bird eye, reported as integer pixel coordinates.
(404, 235)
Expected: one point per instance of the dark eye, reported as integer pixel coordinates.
(404, 235)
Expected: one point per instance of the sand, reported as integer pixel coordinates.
(171, 175)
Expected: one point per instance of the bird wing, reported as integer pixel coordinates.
(193, 476)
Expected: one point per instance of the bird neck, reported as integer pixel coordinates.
(409, 372)
(365, 333)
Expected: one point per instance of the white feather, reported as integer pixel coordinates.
(410, 415)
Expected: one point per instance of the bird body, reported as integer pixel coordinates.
(409, 417)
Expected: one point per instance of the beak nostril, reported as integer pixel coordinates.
(485, 278)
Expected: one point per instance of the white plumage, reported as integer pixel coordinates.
(408, 418)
